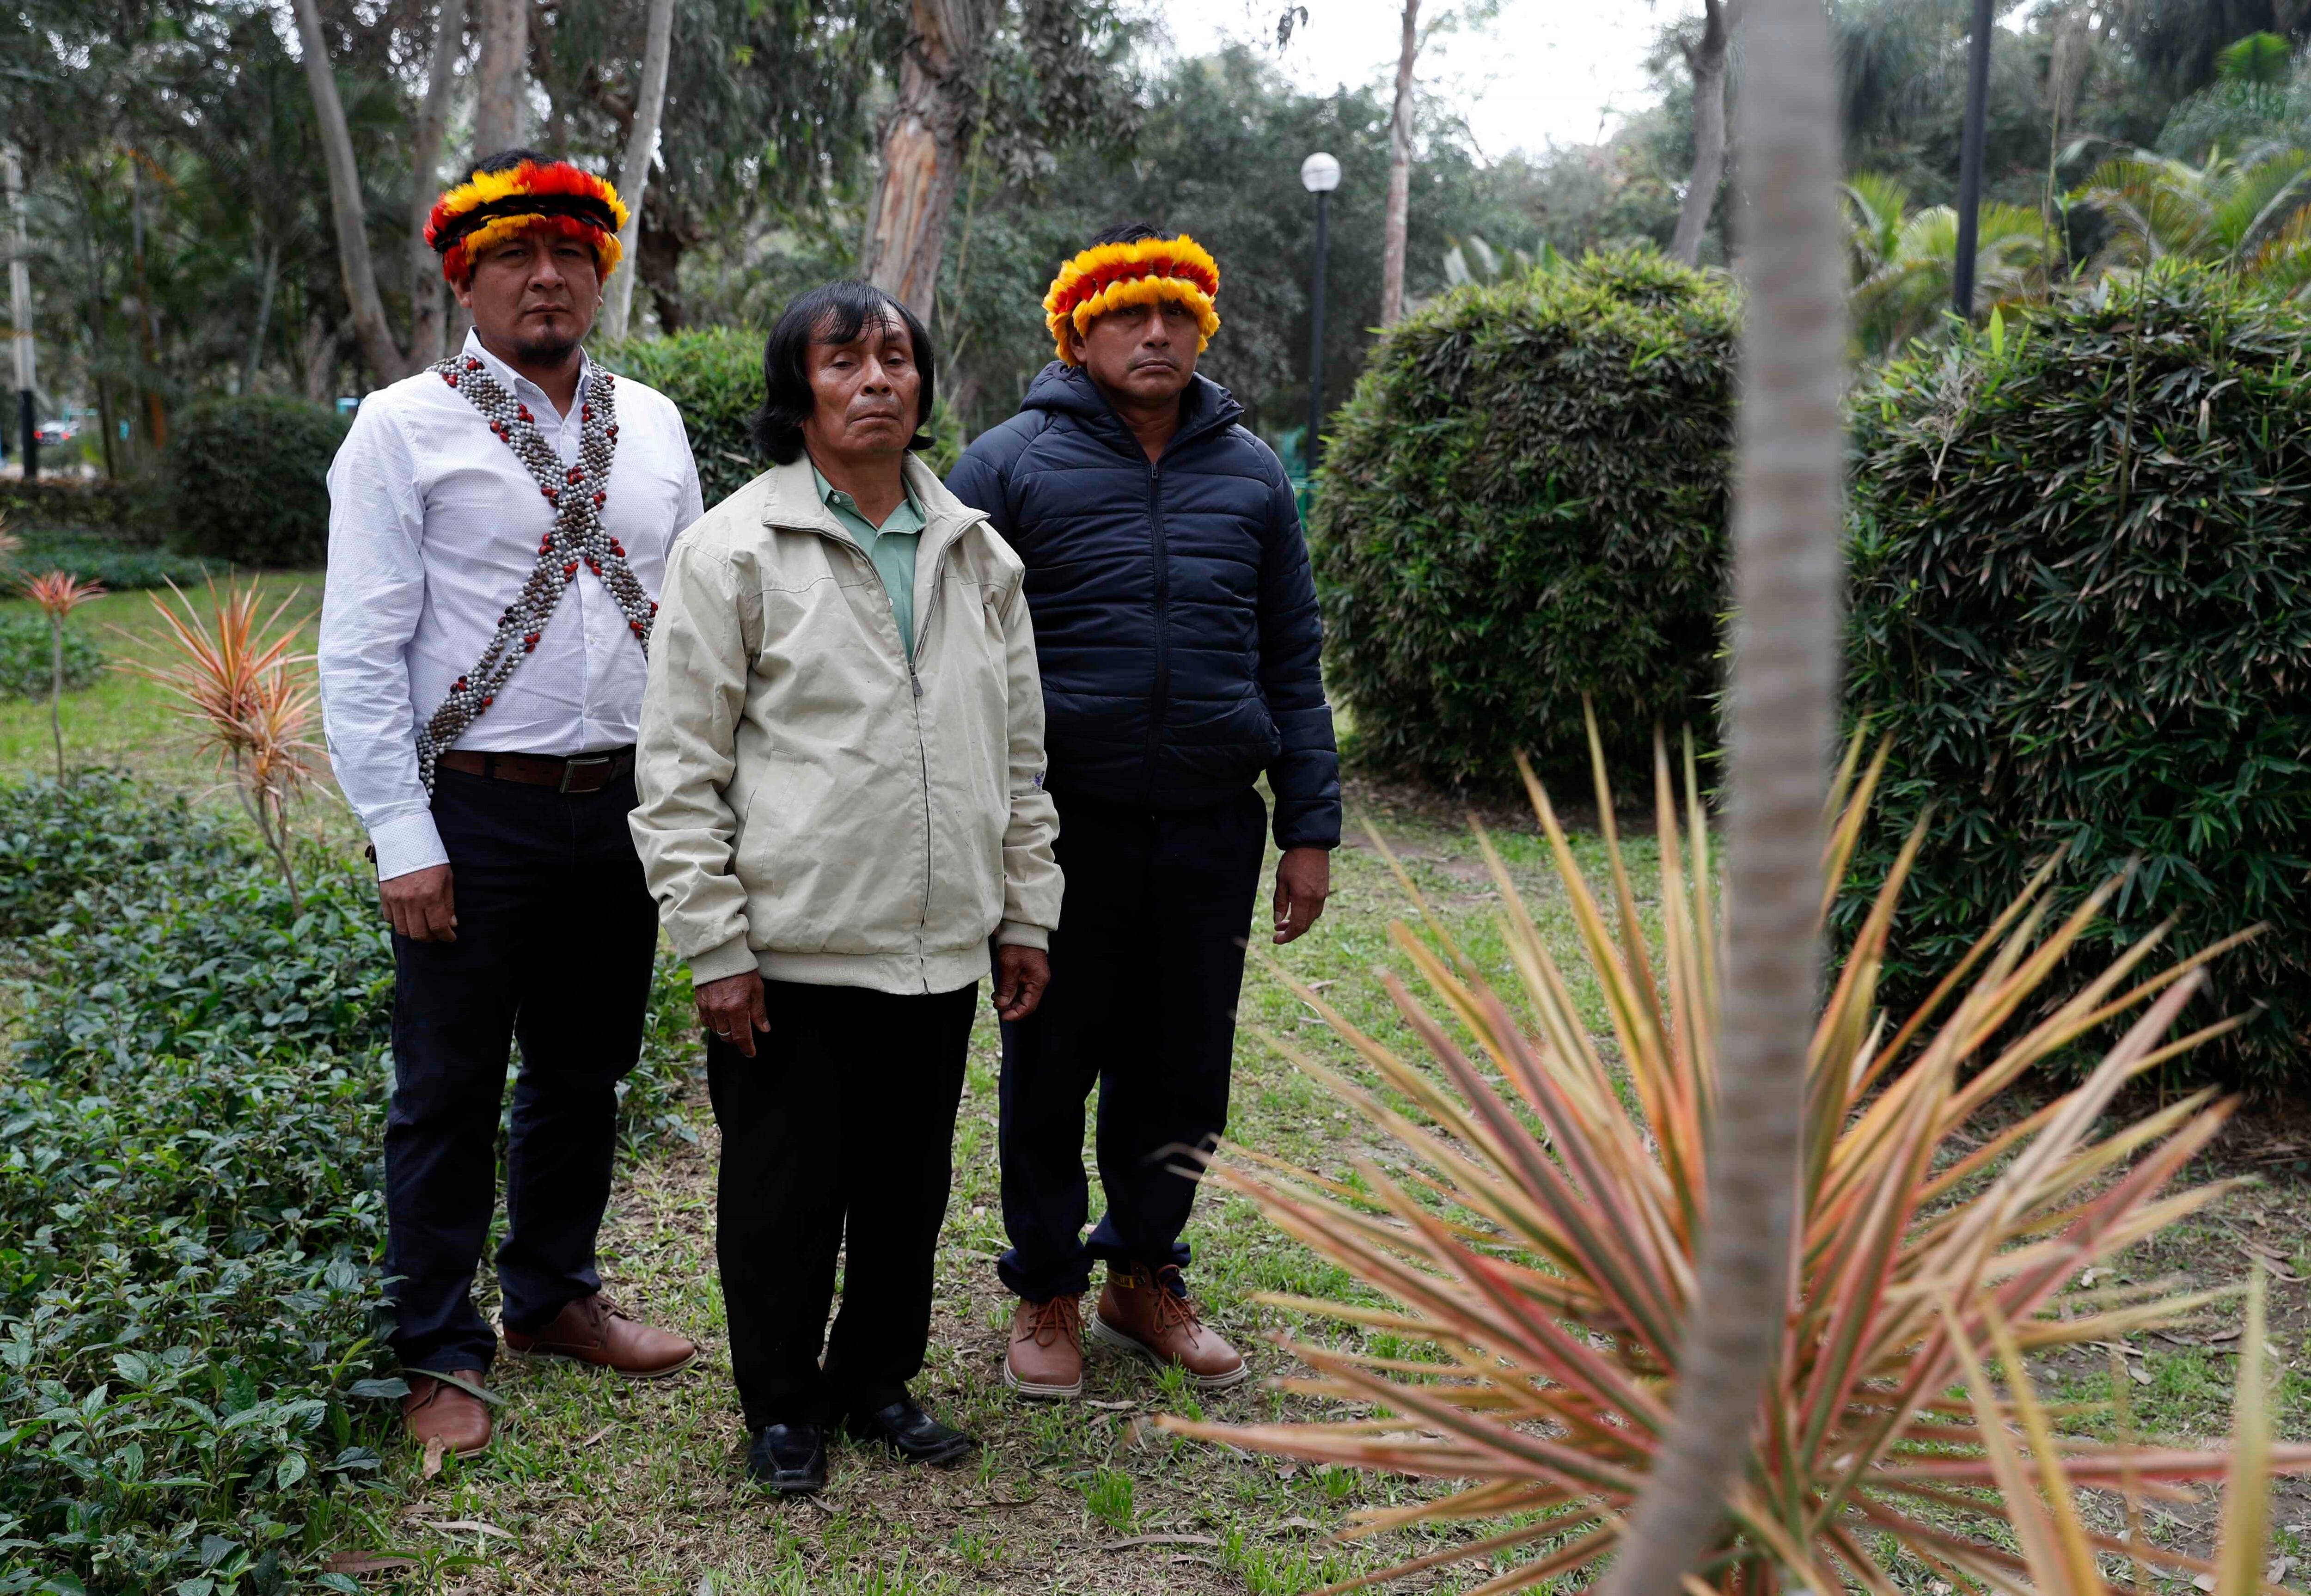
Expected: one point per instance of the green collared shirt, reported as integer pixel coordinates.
(891, 546)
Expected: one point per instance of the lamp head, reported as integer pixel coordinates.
(1320, 173)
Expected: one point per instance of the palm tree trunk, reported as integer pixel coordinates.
(1708, 63)
(1399, 172)
(346, 210)
(1787, 574)
(633, 177)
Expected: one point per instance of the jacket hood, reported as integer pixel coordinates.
(1063, 390)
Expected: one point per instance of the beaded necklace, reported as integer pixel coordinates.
(577, 537)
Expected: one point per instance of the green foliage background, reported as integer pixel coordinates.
(246, 480)
(2082, 618)
(26, 662)
(1525, 503)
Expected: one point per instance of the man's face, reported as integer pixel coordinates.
(1148, 351)
(534, 294)
(868, 390)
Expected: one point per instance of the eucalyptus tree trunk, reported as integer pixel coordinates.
(428, 304)
(501, 77)
(924, 139)
(1399, 173)
(1707, 62)
(1787, 573)
(347, 211)
(633, 177)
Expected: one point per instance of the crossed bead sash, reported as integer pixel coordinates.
(577, 537)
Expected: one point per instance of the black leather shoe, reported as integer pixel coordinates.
(791, 1458)
(906, 1429)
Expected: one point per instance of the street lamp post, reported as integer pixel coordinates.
(19, 290)
(1969, 161)
(1320, 174)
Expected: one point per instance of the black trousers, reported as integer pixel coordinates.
(838, 1133)
(556, 932)
(1147, 967)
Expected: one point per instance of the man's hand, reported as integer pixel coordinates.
(733, 1009)
(1021, 974)
(1304, 880)
(420, 904)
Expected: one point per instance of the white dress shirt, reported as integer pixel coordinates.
(434, 525)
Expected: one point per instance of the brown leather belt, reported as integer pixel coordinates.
(580, 772)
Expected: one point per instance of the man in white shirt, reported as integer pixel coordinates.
(498, 530)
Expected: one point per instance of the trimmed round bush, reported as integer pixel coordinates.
(1525, 503)
(2081, 616)
(246, 480)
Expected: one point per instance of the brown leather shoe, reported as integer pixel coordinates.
(1046, 1356)
(594, 1330)
(435, 1407)
(1149, 1313)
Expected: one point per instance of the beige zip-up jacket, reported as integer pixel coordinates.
(816, 805)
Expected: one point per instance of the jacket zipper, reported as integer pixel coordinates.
(915, 682)
(1159, 702)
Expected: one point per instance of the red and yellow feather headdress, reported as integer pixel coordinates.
(555, 195)
(1108, 276)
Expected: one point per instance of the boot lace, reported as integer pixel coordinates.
(1171, 1304)
(1047, 1323)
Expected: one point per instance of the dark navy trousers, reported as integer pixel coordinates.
(1147, 967)
(556, 932)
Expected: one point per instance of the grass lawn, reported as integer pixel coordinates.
(597, 1486)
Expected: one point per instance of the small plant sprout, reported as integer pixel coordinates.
(248, 699)
(58, 593)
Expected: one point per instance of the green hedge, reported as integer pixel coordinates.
(98, 557)
(191, 1395)
(102, 506)
(245, 480)
(26, 662)
(714, 376)
(2082, 613)
(1522, 503)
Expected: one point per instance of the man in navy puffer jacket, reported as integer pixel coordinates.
(1177, 632)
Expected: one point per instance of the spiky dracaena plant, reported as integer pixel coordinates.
(1542, 1242)
(58, 593)
(250, 702)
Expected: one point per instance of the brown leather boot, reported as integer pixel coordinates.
(1149, 1313)
(435, 1407)
(1046, 1356)
(594, 1330)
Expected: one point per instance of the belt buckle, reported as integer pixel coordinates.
(572, 763)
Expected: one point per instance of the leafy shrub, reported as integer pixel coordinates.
(25, 661)
(95, 556)
(2082, 613)
(246, 480)
(1524, 502)
(714, 376)
(190, 1221)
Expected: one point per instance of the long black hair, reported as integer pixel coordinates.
(832, 313)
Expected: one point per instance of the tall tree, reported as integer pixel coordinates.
(1706, 60)
(1784, 691)
(347, 208)
(634, 176)
(923, 141)
(1399, 171)
(501, 77)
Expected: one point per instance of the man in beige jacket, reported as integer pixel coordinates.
(841, 776)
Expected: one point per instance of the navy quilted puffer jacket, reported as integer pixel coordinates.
(1176, 613)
